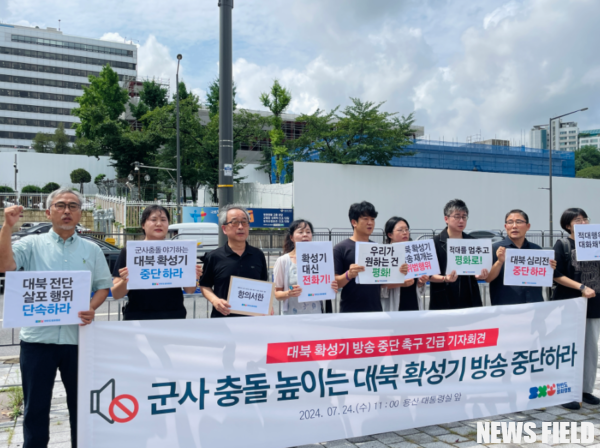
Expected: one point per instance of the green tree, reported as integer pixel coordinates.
(43, 142)
(31, 189)
(212, 97)
(153, 95)
(591, 172)
(61, 140)
(6, 189)
(361, 133)
(585, 157)
(277, 102)
(99, 178)
(50, 187)
(80, 176)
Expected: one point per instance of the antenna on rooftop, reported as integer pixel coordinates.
(58, 24)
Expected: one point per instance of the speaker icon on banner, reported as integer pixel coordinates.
(103, 402)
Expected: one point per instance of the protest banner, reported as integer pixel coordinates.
(250, 297)
(587, 242)
(43, 298)
(314, 261)
(161, 264)
(381, 261)
(523, 267)
(293, 380)
(421, 258)
(468, 257)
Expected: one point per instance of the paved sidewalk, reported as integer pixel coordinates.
(459, 434)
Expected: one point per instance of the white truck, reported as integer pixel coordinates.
(206, 235)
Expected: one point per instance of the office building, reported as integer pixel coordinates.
(590, 138)
(564, 136)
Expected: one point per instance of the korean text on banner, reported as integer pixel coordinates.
(42, 298)
(381, 262)
(161, 264)
(421, 258)
(314, 261)
(250, 297)
(269, 382)
(587, 242)
(468, 257)
(523, 267)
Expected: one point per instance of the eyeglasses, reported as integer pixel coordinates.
(460, 217)
(403, 230)
(236, 223)
(518, 222)
(581, 221)
(73, 206)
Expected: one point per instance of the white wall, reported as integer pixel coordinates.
(39, 169)
(323, 194)
(251, 175)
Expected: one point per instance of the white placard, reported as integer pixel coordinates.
(467, 256)
(43, 298)
(161, 264)
(421, 258)
(282, 381)
(250, 297)
(528, 267)
(381, 262)
(314, 261)
(587, 242)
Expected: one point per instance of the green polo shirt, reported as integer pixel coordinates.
(49, 252)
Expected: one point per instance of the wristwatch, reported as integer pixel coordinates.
(582, 287)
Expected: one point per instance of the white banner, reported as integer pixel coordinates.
(161, 264)
(280, 381)
(43, 298)
(381, 262)
(468, 257)
(315, 270)
(526, 267)
(421, 258)
(587, 242)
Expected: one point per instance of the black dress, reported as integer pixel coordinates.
(409, 300)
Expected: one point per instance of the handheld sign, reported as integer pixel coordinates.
(250, 297)
(161, 264)
(468, 257)
(526, 267)
(381, 261)
(43, 298)
(315, 270)
(587, 242)
(421, 258)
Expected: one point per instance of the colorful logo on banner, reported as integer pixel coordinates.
(200, 214)
(548, 390)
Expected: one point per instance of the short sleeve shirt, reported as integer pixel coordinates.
(49, 252)
(355, 298)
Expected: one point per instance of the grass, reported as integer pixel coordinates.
(15, 397)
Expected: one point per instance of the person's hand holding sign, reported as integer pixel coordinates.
(451, 278)
(222, 306)
(198, 271)
(404, 269)
(294, 291)
(501, 254)
(423, 280)
(124, 274)
(483, 275)
(86, 317)
(354, 270)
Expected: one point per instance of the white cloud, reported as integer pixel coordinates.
(156, 61)
(113, 37)
(495, 17)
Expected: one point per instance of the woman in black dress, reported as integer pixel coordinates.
(155, 303)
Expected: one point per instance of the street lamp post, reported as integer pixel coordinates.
(178, 155)
(16, 171)
(550, 168)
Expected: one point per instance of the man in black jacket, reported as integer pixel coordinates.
(449, 292)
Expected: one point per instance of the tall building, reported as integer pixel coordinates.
(538, 137)
(564, 136)
(42, 71)
(590, 138)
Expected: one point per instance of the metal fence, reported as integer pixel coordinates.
(37, 201)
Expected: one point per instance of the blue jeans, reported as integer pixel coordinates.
(39, 363)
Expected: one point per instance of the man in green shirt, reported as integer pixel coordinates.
(44, 350)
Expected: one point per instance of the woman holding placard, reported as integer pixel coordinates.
(393, 298)
(286, 272)
(575, 278)
(164, 303)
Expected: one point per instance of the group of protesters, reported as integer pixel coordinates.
(44, 350)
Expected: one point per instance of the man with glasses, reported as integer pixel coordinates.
(46, 349)
(516, 223)
(450, 291)
(236, 257)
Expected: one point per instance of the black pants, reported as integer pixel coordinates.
(39, 363)
(153, 315)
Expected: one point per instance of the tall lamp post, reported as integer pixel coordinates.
(178, 154)
(550, 168)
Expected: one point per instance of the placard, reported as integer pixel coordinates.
(44, 298)
(528, 267)
(381, 262)
(161, 264)
(421, 258)
(467, 256)
(587, 242)
(316, 272)
(250, 297)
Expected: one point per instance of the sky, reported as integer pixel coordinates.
(492, 68)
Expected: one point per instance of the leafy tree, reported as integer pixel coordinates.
(43, 142)
(50, 187)
(591, 172)
(587, 156)
(99, 178)
(61, 140)
(361, 133)
(212, 97)
(6, 189)
(153, 95)
(80, 176)
(278, 100)
(31, 189)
